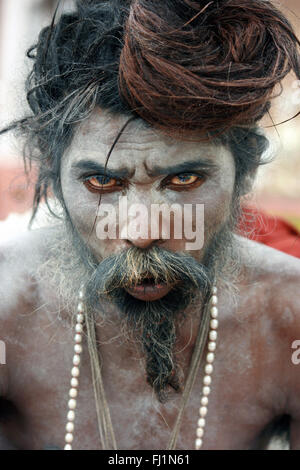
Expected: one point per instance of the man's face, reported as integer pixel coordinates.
(147, 169)
(151, 275)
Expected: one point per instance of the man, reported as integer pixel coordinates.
(157, 103)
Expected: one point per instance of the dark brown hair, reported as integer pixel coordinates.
(200, 67)
(192, 68)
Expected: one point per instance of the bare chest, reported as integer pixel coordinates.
(237, 410)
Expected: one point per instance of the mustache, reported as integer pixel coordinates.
(152, 323)
(131, 267)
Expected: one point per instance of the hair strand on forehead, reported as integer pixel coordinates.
(193, 69)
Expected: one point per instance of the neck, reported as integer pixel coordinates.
(120, 347)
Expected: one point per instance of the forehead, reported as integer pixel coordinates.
(137, 143)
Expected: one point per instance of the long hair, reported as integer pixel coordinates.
(195, 69)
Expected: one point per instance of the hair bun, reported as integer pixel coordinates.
(191, 67)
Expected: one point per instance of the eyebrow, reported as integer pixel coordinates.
(192, 165)
(90, 165)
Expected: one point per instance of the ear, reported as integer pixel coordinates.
(248, 182)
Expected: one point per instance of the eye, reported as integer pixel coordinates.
(184, 181)
(101, 183)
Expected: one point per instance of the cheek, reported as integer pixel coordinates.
(217, 210)
(216, 199)
(82, 208)
(218, 204)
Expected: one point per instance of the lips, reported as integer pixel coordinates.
(148, 291)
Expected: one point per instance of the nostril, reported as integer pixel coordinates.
(142, 243)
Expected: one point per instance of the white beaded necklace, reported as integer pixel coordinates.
(75, 372)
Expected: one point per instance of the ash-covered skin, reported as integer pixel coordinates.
(82, 61)
(124, 264)
(139, 151)
(254, 380)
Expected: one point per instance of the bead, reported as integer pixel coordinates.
(78, 338)
(70, 427)
(210, 357)
(207, 380)
(72, 404)
(214, 312)
(78, 348)
(76, 359)
(200, 432)
(214, 290)
(208, 369)
(198, 444)
(73, 392)
(214, 324)
(71, 415)
(203, 411)
(213, 335)
(74, 382)
(211, 346)
(75, 371)
(204, 401)
(69, 437)
(206, 391)
(214, 300)
(201, 422)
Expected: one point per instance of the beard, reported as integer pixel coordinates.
(152, 324)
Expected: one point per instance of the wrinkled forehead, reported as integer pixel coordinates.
(138, 141)
(105, 127)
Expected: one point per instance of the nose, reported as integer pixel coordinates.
(140, 235)
(138, 229)
(142, 243)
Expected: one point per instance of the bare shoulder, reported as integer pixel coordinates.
(270, 288)
(266, 260)
(19, 286)
(19, 260)
(275, 277)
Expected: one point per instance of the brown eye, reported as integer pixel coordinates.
(101, 183)
(183, 180)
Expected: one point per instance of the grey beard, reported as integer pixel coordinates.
(151, 324)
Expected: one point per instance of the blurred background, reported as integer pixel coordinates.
(277, 190)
